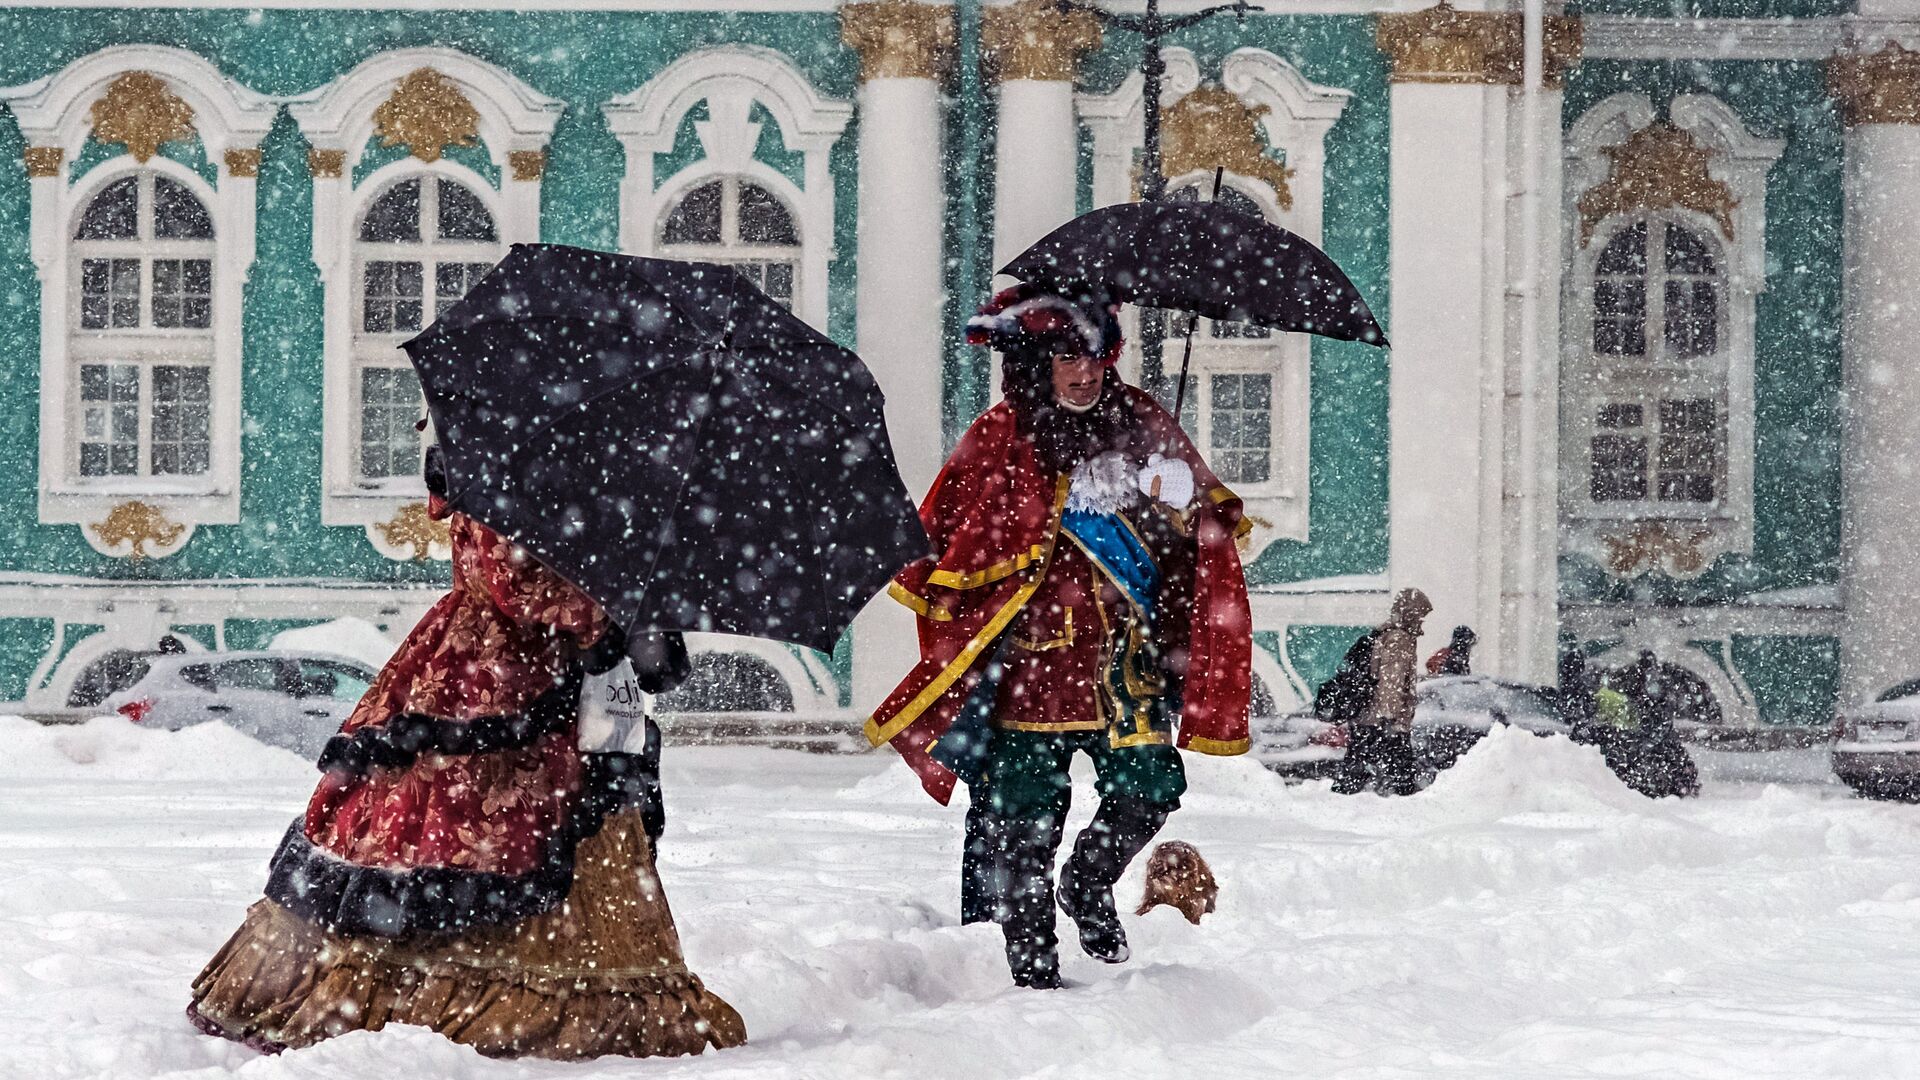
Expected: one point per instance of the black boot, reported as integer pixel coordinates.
(1119, 829)
(979, 902)
(1023, 883)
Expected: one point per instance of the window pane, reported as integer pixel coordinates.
(1620, 416)
(1687, 253)
(110, 419)
(182, 420)
(451, 281)
(1689, 449)
(249, 675)
(1626, 253)
(1241, 416)
(1619, 469)
(762, 219)
(395, 216)
(178, 214)
(697, 219)
(777, 282)
(462, 215)
(1692, 318)
(390, 405)
(1620, 317)
(392, 299)
(109, 294)
(114, 214)
(182, 293)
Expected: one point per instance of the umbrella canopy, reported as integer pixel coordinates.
(671, 440)
(1205, 258)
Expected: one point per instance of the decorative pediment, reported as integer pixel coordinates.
(140, 111)
(1212, 128)
(427, 113)
(1658, 167)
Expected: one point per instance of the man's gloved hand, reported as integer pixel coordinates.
(1168, 480)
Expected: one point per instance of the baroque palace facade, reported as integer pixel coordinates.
(1649, 388)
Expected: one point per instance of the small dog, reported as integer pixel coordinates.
(1179, 877)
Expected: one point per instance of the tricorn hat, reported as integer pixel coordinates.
(1026, 315)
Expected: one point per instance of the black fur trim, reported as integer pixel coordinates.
(355, 900)
(404, 737)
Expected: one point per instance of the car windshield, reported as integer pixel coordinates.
(1901, 690)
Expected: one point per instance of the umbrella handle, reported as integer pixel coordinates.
(1186, 355)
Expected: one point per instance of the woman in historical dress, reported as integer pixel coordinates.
(462, 866)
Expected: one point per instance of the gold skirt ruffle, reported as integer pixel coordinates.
(600, 974)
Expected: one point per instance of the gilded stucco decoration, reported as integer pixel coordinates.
(1675, 549)
(244, 163)
(137, 526)
(43, 161)
(413, 528)
(1443, 44)
(327, 164)
(527, 165)
(1659, 167)
(1211, 128)
(427, 113)
(899, 39)
(1877, 88)
(1034, 39)
(140, 111)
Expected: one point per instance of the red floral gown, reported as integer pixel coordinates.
(462, 865)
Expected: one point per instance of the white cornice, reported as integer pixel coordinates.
(1620, 37)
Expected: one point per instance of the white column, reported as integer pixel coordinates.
(1036, 154)
(901, 302)
(1880, 547)
(1447, 229)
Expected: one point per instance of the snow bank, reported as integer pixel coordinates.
(112, 748)
(350, 637)
(1510, 772)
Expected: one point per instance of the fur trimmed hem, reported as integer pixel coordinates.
(601, 974)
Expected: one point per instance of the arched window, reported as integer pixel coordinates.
(141, 339)
(1231, 403)
(1659, 375)
(421, 244)
(737, 222)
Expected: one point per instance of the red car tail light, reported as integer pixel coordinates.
(137, 709)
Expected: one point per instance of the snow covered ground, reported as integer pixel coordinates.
(1527, 917)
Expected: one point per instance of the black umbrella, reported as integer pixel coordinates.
(1204, 258)
(671, 440)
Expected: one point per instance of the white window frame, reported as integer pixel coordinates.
(383, 350)
(731, 80)
(1740, 160)
(338, 119)
(144, 347)
(1299, 113)
(230, 121)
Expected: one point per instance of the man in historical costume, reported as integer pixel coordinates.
(463, 865)
(1086, 595)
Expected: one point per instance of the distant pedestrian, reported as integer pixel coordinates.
(1457, 657)
(1380, 735)
(171, 646)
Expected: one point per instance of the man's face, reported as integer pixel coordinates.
(1076, 379)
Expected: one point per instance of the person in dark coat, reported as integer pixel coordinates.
(1629, 718)
(1457, 657)
(1380, 736)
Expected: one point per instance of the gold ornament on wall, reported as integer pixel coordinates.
(1443, 44)
(327, 164)
(1212, 128)
(43, 161)
(898, 39)
(137, 525)
(412, 527)
(243, 163)
(1877, 88)
(1671, 548)
(140, 111)
(1659, 167)
(527, 165)
(1034, 39)
(427, 113)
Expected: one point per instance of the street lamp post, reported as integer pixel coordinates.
(1153, 29)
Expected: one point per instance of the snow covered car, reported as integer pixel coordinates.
(1876, 747)
(1452, 712)
(295, 701)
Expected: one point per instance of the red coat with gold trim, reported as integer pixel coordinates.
(994, 517)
